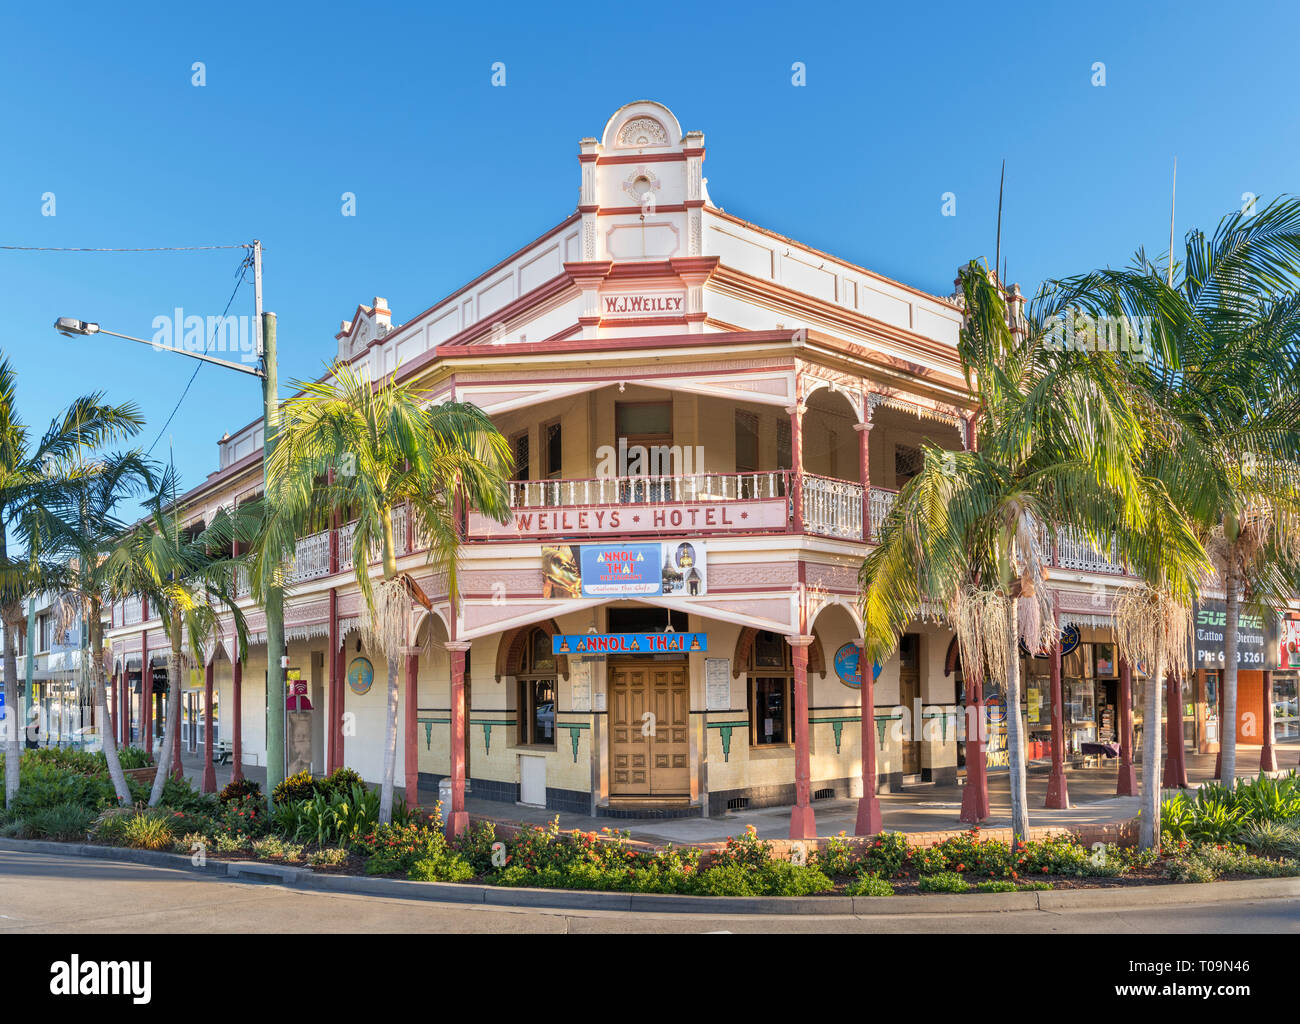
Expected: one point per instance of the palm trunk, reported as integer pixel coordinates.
(101, 706)
(389, 550)
(164, 759)
(1015, 742)
(13, 712)
(390, 746)
(1228, 700)
(1149, 828)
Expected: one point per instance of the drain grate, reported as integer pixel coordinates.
(738, 803)
(824, 794)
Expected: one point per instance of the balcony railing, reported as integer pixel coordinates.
(1074, 552)
(628, 505)
(881, 501)
(832, 508)
(132, 611)
(635, 490)
(399, 540)
(311, 558)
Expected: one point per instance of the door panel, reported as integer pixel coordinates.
(645, 761)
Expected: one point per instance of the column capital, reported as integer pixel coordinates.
(800, 641)
(457, 645)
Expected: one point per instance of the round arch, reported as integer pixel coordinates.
(745, 646)
(511, 648)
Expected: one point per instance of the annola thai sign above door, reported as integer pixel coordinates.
(1257, 644)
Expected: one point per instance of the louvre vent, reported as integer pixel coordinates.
(738, 803)
(824, 794)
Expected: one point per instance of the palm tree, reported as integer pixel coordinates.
(176, 571)
(84, 527)
(967, 538)
(346, 443)
(1221, 391)
(31, 476)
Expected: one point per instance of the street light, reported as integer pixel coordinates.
(70, 327)
(274, 600)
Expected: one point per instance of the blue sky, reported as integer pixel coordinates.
(395, 104)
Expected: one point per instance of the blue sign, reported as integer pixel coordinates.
(617, 570)
(628, 643)
(847, 666)
(1070, 637)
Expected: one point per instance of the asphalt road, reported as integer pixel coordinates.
(43, 893)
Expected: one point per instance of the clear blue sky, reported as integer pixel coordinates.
(394, 103)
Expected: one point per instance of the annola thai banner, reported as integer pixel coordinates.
(1257, 644)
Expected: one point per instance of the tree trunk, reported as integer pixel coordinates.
(1015, 742)
(101, 706)
(164, 758)
(390, 745)
(1228, 699)
(1149, 821)
(14, 725)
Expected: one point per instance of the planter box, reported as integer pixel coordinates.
(143, 776)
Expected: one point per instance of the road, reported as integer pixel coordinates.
(42, 893)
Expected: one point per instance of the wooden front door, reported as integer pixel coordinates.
(649, 716)
(909, 692)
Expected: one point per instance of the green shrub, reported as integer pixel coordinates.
(447, 867)
(394, 849)
(888, 855)
(43, 785)
(838, 857)
(232, 841)
(996, 885)
(110, 828)
(65, 822)
(237, 789)
(1189, 869)
(190, 842)
(746, 851)
(246, 815)
(1036, 885)
(327, 857)
(341, 780)
(727, 880)
(275, 848)
(781, 878)
(1059, 855)
(146, 831)
(1271, 838)
(295, 788)
(12, 829)
(869, 884)
(475, 845)
(943, 881)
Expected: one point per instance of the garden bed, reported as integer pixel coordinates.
(331, 826)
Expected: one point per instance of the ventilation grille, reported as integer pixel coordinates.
(738, 803)
(824, 794)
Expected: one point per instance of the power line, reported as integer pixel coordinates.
(243, 272)
(156, 248)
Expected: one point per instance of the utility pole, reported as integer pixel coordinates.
(274, 594)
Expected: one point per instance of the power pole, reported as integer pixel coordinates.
(274, 594)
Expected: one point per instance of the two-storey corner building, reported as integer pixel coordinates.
(708, 419)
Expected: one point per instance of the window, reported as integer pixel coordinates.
(43, 633)
(537, 690)
(519, 446)
(552, 450)
(771, 691)
(784, 447)
(746, 442)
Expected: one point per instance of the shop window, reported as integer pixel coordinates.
(771, 691)
(537, 691)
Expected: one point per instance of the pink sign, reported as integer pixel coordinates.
(617, 520)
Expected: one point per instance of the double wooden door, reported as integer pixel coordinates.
(649, 717)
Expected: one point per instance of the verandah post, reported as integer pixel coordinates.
(458, 818)
(1126, 783)
(869, 818)
(803, 823)
(1058, 795)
